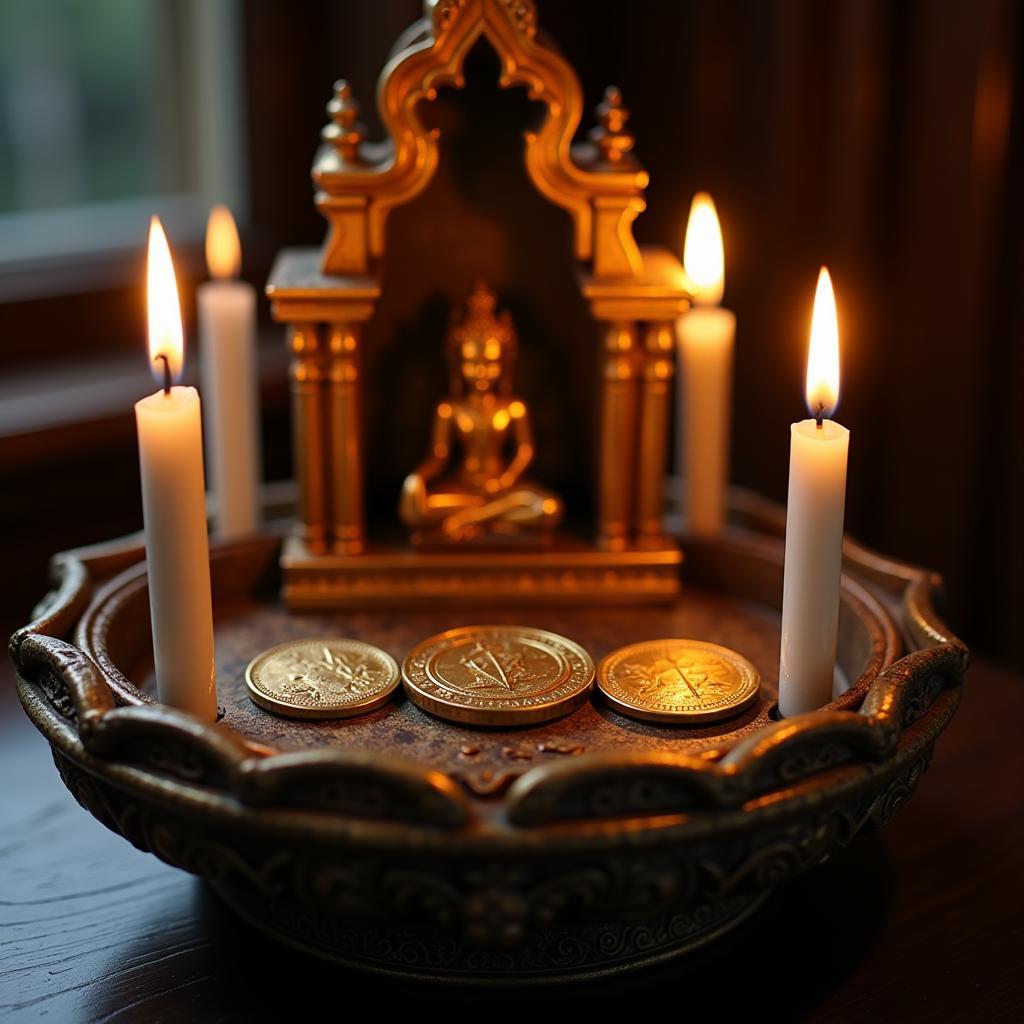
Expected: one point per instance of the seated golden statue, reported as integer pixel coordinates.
(471, 484)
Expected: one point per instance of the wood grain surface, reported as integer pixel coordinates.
(920, 923)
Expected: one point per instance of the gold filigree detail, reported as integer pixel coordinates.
(444, 13)
(524, 16)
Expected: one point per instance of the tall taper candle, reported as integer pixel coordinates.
(227, 372)
(706, 335)
(174, 506)
(814, 524)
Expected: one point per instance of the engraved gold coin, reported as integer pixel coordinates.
(498, 675)
(332, 678)
(681, 682)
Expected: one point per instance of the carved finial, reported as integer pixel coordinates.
(610, 135)
(345, 133)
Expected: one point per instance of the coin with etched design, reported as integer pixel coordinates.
(498, 675)
(332, 678)
(680, 682)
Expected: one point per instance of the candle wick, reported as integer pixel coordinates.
(820, 414)
(167, 373)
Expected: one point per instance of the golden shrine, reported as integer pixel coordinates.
(500, 541)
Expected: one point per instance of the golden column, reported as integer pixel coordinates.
(655, 417)
(618, 435)
(344, 448)
(308, 420)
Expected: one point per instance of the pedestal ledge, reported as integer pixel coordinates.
(569, 570)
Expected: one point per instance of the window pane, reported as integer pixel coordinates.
(86, 113)
(111, 110)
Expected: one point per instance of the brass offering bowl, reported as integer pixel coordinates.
(401, 843)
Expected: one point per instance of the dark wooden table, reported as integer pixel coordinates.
(923, 922)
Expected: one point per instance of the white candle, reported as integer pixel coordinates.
(227, 365)
(174, 506)
(705, 335)
(814, 524)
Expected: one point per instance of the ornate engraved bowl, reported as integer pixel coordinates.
(401, 843)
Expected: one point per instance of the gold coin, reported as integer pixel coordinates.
(322, 678)
(498, 675)
(682, 682)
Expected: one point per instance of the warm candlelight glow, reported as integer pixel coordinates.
(823, 354)
(703, 256)
(223, 250)
(164, 309)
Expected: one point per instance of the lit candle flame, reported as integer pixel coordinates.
(164, 309)
(823, 353)
(703, 256)
(223, 249)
